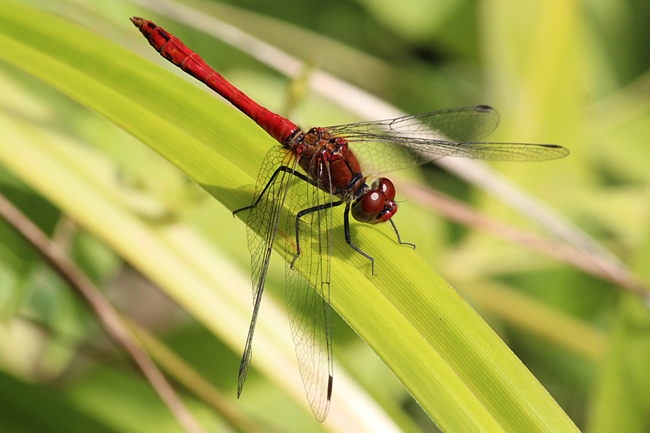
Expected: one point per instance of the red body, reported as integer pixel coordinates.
(173, 50)
(324, 157)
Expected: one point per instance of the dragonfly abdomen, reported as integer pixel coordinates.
(171, 48)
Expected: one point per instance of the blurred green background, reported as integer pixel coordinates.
(563, 72)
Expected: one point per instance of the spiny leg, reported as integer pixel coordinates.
(270, 182)
(399, 240)
(348, 239)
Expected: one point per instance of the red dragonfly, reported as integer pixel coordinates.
(316, 170)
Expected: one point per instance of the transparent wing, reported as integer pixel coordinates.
(270, 194)
(309, 305)
(395, 144)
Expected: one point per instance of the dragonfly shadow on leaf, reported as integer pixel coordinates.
(232, 198)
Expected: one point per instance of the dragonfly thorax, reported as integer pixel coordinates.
(327, 160)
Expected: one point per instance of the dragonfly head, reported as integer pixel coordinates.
(377, 203)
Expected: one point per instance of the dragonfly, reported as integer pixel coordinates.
(315, 170)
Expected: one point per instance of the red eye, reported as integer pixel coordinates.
(387, 188)
(368, 207)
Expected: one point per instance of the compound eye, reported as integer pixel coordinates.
(387, 188)
(368, 207)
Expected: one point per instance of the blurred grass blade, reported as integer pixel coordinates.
(55, 415)
(194, 382)
(622, 399)
(453, 364)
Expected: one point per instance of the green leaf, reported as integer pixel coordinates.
(622, 399)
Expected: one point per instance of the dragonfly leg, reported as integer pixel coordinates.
(399, 240)
(348, 239)
(304, 212)
(278, 171)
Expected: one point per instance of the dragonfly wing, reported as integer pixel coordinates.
(270, 194)
(385, 156)
(308, 301)
(395, 144)
(456, 124)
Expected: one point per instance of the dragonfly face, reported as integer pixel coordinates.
(376, 203)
